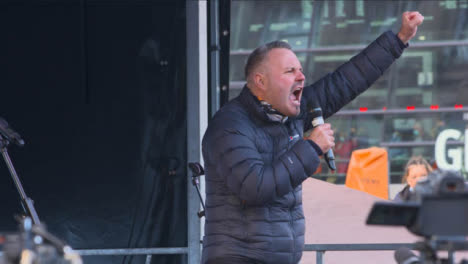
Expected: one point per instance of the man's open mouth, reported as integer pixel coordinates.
(296, 94)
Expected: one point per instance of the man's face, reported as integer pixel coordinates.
(284, 81)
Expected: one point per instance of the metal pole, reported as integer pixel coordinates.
(451, 257)
(148, 259)
(26, 202)
(12, 170)
(319, 258)
(197, 111)
(214, 56)
(131, 251)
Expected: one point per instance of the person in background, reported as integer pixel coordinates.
(416, 168)
(343, 149)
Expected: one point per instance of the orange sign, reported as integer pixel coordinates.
(368, 171)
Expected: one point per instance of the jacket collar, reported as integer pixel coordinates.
(260, 109)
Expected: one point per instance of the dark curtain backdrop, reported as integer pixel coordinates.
(97, 90)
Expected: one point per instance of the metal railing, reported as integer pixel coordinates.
(320, 249)
(149, 252)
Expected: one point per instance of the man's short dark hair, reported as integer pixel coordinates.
(258, 55)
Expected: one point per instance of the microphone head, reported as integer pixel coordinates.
(314, 109)
(404, 255)
(196, 168)
(19, 142)
(315, 112)
(9, 134)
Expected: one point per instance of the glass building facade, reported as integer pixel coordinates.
(423, 93)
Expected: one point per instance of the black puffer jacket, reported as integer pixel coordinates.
(255, 166)
(404, 195)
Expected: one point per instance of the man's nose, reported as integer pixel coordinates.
(300, 76)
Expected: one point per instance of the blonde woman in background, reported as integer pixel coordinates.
(416, 168)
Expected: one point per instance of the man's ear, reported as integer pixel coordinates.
(259, 80)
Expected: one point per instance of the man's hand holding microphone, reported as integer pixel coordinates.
(322, 136)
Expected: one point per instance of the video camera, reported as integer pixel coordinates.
(436, 210)
(34, 245)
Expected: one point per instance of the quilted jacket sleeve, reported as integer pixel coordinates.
(231, 150)
(335, 90)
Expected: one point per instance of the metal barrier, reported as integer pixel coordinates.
(322, 248)
(134, 251)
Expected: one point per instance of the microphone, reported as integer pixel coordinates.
(317, 119)
(196, 168)
(9, 134)
(405, 256)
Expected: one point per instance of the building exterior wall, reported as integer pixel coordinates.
(423, 93)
